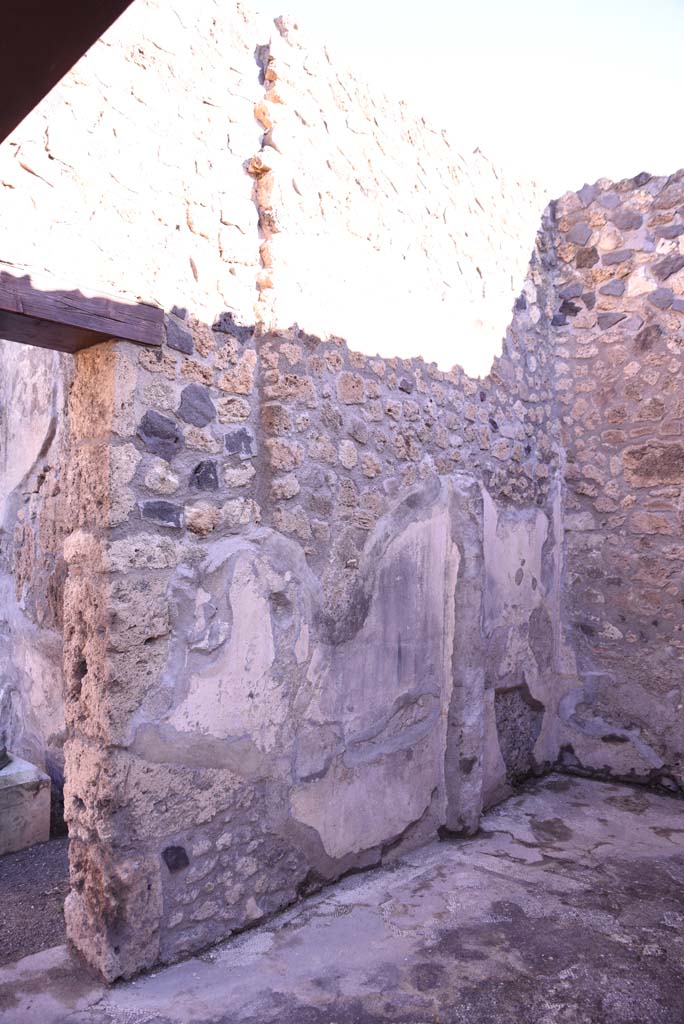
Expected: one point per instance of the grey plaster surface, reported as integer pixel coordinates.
(566, 908)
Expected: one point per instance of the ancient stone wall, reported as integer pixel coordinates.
(618, 332)
(376, 228)
(312, 597)
(127, 179)
(33, 451)
(306, 616)
(309, 618)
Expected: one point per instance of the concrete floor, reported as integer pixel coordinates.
(567, 908)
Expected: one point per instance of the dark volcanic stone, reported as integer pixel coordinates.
(587, 258)
(205, 476)
(627, 220)
(179, 337)
(518, 724)
(587, 194)
(558, 320)
(618, 256)
(406, 385)
(662, 298)
(568, 308)
(670, 231)
(579, 234)
(571, 291)
(163, 512)
(520, 304)
(609, 200)
(672, 195)
(615, 287)
(606, 320)
(160, 435)
(648, 337)
(240, 441)
(196, 406)
(641, 179)
(225, 324)
(175, 858)
(669, 266)
(678, 305)
(589, 299)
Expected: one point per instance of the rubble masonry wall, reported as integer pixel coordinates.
(318, 602)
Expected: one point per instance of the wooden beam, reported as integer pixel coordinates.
(40, 41)
(68, 320)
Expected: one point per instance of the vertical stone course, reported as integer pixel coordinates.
(375, 228)
(618, 371)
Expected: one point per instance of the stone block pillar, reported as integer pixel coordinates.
(115, 620)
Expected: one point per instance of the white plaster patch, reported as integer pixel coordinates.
(238, 695)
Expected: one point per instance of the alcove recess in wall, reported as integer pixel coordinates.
(34, 311)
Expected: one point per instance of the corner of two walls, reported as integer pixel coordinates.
(308, 611)
(618, 331)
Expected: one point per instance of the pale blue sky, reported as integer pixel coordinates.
(564, 92)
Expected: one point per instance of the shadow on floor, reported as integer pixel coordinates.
(33, 886)
(566, 908)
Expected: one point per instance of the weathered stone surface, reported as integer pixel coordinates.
(350, 389)
(518, 724)
(179, 337)
(196, 406)
(587, 258)
(617, 256)
(654, 463)
(205, 476)
(202, 518)
(648, 337)
(579, 233)
(661, 298)
(609, 200)
(626, 219)
(240, 441)
(160, 435)
(240, 380)
(616, 287)
(606, 320)
(116, 898)
(161, 479)
(667, 267)
(163, 512)
(233, 410)
(669, 230)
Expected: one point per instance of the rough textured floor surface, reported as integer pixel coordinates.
(568, 908)
(33, 886)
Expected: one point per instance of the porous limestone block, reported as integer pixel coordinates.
(24, 806)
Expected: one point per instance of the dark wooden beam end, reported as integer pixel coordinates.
(67, 320)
